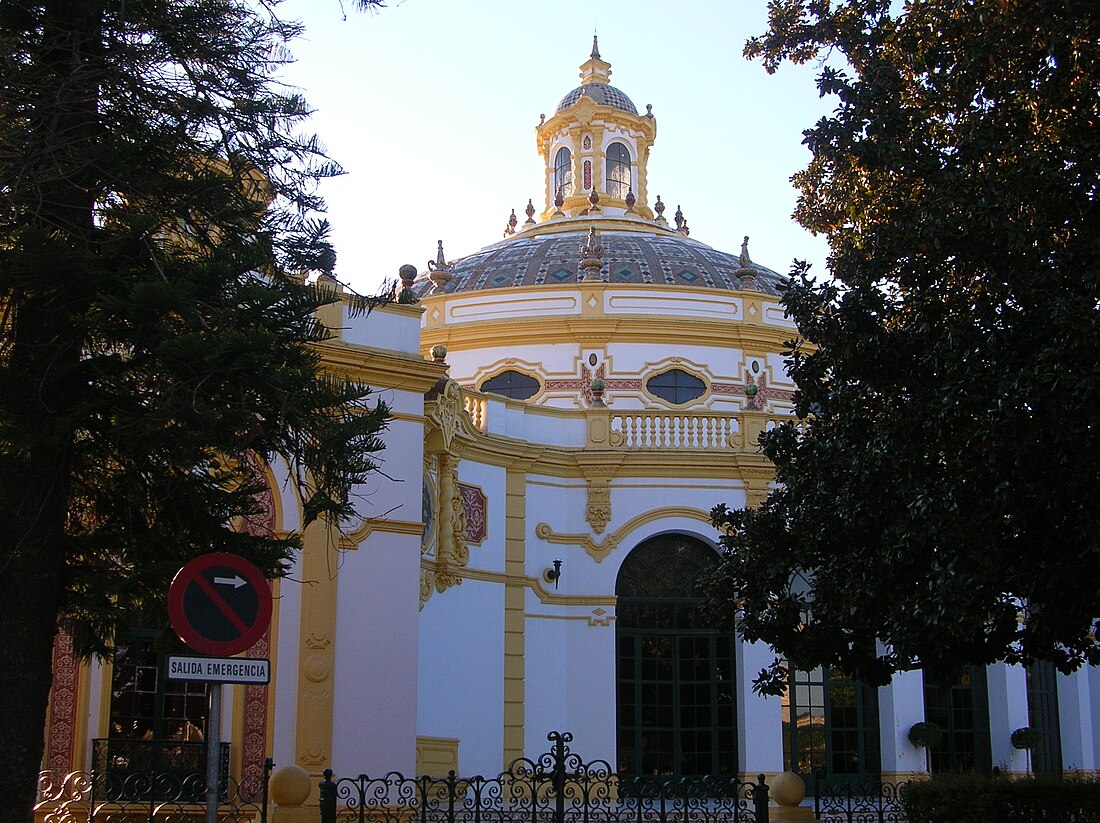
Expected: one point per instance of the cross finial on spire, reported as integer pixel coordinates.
(595, 47)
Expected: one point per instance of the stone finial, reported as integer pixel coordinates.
(649, 110)
(679, 218)
(530, 211)
(594, 199)
(591, 257)
(439, 353)
(510, 228)
(747, 273)
(630, 201)
(439, 270)
(659, 208)
(684, 230)
(542, 119)
(559, 201)
(407, 273)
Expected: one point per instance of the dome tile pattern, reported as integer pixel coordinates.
(629, 258)
(602, 94)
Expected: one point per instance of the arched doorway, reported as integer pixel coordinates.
(675, 675)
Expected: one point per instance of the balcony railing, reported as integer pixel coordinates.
(703, 430)
(659, 430)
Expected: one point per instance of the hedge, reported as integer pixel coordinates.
(961, 798)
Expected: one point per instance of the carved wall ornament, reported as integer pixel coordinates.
(445, 556)
(598, 511)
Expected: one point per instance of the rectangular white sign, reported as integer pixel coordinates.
(220, 669)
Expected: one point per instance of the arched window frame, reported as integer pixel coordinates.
(676, 677)
(617, 165)
(563, 172)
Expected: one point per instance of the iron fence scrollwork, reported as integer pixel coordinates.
(151, 783)
(556, 787)
(846, 801)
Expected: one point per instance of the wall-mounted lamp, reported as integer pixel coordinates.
(553, 574)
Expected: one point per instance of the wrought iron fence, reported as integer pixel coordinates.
(557, 787)
(132, 795)
(854, 802)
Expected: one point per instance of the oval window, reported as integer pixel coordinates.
(513, 384)
(676, 386)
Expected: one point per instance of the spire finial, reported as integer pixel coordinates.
(659, 207)
(591, 257)
(530, 212)
(510, 228)
(747, 273)
(746, 261)
(439, 270)
(595, 69)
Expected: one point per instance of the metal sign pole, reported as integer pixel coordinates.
(213, 752)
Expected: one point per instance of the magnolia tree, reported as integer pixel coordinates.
(935, 500)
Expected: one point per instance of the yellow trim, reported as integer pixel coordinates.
(599, 550)
(598, 330)
(515, 559)
(316, 661)
(435, 756)
(535, 584)
(80, 706)
(382, 369)
(597, 619)
(351, 540)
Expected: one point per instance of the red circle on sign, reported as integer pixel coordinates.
(219, 604)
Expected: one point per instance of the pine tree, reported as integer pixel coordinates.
(157, 232)
(937, 491)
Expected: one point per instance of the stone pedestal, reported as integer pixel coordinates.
(289, 789)
(788, 790)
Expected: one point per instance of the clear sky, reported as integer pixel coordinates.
(431, 106)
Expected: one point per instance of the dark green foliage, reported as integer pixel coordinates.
(925, 735)
(938, 490)
(951, 798)
(157, 224)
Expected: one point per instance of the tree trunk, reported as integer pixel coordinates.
(43, 387)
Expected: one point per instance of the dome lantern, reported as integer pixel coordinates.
(596, 142)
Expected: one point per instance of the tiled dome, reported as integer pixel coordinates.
(629, 258)
(601, 93)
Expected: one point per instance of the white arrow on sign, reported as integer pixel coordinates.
(236, 581)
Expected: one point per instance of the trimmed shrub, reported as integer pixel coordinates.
(965, 798)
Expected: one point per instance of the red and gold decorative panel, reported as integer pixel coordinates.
(476, 507)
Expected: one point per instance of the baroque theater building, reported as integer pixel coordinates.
(569, 403)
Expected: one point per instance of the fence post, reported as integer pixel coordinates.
(328, 798)
(558, 778)
(760, 800)
(269, 764)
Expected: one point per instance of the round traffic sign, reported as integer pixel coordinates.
(219, 604)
